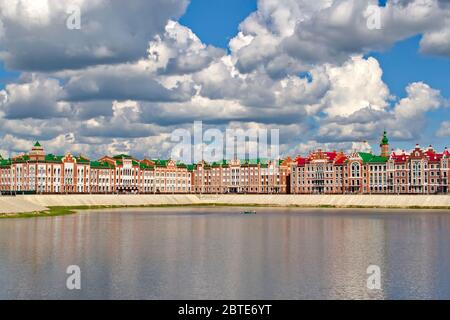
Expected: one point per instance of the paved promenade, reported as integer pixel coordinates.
(34, 203)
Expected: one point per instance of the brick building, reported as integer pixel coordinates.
(419, 171)
(242, 176)
(40, 173)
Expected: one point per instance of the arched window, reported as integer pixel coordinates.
(356, 170)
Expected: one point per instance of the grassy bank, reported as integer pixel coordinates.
(51, 212)
(61, 211)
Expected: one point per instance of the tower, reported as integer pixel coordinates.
(37, 153)
(384, 145)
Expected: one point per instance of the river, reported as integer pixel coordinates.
(218, 253)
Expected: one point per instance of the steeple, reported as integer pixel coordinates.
(385, 139)
(384, 145)
(37, 152)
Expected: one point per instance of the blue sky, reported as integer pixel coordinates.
(403, 64)
(6, 76)
(215, 23)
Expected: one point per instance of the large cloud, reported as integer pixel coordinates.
(34, 35)
(37, 98)
(122, 83)
(180, 51)
(295, 65)
(343, 28)
(437, 42)
(406, 120)
(125, 122)
(289, 36)
(354, 86)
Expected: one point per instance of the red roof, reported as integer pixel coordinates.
(340, 159)
(331, 155)
(446, 153)
(399, 158)
(433, 156)
(300, 161)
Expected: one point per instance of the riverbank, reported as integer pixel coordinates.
(51, 205)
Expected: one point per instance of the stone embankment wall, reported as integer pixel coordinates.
(32, 203)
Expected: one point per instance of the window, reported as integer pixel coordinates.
(356, 170)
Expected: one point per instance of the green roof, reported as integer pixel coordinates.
(143, 166)
(5, 162)
(217, 164)
(81, 159)
(37, 144)
(122, 156)
(244, 162)
(161, 163)
(22, 158)
(53, 158)
(241, 161)
(370, 158)
(119, 160)
(222, 163)
(255, 161)
(100, 165)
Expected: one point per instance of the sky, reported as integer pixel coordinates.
(315, 70)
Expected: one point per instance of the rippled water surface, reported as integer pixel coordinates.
(218, 253)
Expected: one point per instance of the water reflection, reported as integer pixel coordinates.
(217, 253)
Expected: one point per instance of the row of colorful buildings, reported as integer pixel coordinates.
(420, 171)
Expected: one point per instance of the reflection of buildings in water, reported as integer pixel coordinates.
(419, 252)
(351, 244)
(307, 254)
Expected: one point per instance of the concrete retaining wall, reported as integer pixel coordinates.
(33, 203)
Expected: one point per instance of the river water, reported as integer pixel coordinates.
(218, 253)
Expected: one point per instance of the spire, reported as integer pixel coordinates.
(37, 144)
(384, 145)
(384, 140)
